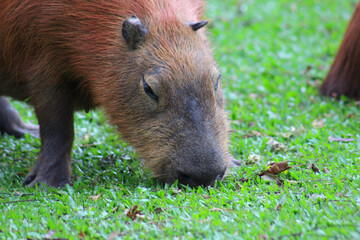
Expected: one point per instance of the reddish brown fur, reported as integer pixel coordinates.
(71, 53)
(344, 75)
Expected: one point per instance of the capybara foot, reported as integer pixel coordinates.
(11, 123)
(55, 179)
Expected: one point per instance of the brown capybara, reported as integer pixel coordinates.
(147, 63)
(343, 77)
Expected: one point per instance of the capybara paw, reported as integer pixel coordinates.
(51, 180)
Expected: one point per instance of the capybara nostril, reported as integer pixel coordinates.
(204, 177)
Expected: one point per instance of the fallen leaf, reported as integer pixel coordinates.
(331, 139)
(314, 168)
(318, 123)
(326, 170)
(276, 146)
(254, 158)
(253, 95)
(206, 196)
(113, 235)
(158, 210)
(276, 168)
(251, 134)
(215, 210)
(115, 209)
(278, 208)
(263, 237)
(318, 196)
(49, 234)
(272, 178)
(133, 212)
(95, 197)
(251, 124)
(82, 234)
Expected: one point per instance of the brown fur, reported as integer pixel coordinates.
(344, 75)
(67, 55)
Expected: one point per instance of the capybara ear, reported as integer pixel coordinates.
(133, 32)
(196, 26)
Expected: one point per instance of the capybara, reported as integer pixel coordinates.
(343, 77)
(147, 63)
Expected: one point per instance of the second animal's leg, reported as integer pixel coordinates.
(11, 123)
(54, 110)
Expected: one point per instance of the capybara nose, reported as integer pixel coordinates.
(200, 178)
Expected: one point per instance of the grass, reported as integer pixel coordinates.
(272, 55)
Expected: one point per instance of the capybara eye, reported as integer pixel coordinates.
(149, 91)
(217, 82)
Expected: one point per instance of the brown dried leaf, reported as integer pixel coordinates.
(113, 235)
(318, 123)
(252, 133)
(272, 178)
(206, 196)
(278, 208)
(49, 234)
(254, 159)
(82, 234)
(263, 237)
(115, 209)
(276, 146)
(314, 168)
(276, 168)
(95, 197)
(215, 210)
(158, 210)
(331, 139)
(133, 212)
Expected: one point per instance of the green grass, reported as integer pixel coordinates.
(272, 55)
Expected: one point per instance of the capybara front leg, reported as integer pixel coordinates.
(11, 123)
(55, 115)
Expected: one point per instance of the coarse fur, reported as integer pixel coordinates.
(70, 54)
(343, 77)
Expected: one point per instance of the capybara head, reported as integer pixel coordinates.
(173, 112)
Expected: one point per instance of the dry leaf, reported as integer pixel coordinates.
(331, 139)
(272, 178)
(314, 168)
(96, 197)
(252, 133)
(113, 235)
(133, 212)
(278, 208)
(115, 209)
(276, 146)
(318, 123)
(318, 196)
(254, 158)
(215, 210)
(253, 95)
(206, 196)
(251, 124)
(158, 210)
(263, 237)
(82, 234)
(49, 234)
(326, 170)
(276, 168)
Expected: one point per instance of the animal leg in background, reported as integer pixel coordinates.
(11, 123)
(344, 75)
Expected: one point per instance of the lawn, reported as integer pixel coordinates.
(273, 54)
